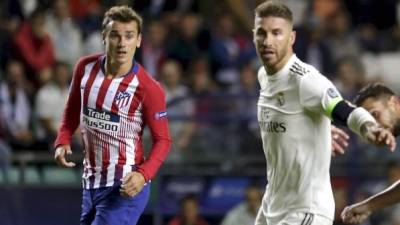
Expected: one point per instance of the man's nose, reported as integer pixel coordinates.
(121, 42)
(267, 40)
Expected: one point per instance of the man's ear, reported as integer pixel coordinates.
(394, 101)
(139, 41)
(293, 37)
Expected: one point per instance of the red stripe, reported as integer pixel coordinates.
(90, 81)
(137, 99)
(121, 161)
(139, 150)
(91, 160)
(105, 159)
(102, 93)
(105, 144)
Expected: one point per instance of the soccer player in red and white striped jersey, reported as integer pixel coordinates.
(112, 98)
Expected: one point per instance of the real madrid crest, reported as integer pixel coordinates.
(281, 98)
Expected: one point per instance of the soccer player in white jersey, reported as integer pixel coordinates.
(295, 109)
(112, 98)
(384, 105)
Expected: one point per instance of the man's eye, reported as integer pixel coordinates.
(278, 32)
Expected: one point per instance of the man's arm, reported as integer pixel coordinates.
(361, 122)
(155, 116)
(356, 213)
(324, 98)
(339, 140)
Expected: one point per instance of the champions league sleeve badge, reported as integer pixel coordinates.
(332, 93)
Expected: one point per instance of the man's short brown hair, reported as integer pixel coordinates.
(374, 90)
(275, 9)
(123, 14)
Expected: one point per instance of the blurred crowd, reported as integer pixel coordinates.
(202, 52)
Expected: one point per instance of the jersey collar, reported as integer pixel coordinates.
(284, 71)
(134, 69)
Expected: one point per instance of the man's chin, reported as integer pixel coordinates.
(269, 62)
(121, 61)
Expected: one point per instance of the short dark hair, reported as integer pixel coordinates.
(375, 90)
(275, 9)
(123, 14)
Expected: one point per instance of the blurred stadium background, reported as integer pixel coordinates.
(202, 52)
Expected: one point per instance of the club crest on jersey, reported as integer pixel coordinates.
(122, 99)
(281, 98)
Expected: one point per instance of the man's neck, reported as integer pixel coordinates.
(114, 69)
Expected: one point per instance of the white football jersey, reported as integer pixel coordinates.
(293, 112)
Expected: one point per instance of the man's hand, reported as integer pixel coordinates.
(339, 141)
(378, 135)
(355, 214)
(132, 184)
(59, 156)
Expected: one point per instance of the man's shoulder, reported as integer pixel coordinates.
(306, 73)
(302, 69)
(84, 60)
(262, 76)
(146, 80)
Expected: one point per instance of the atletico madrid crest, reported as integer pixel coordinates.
(122, 99)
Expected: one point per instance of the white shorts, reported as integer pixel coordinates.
(296, 218)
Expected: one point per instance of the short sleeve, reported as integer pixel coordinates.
(318, 94)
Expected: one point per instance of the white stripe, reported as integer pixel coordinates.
(84, 80)
(126, 169)
(130, 151)
(109, 98)
(88, 69)
(94, 91)
(110, 175)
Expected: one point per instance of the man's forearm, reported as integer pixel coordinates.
(387, 197)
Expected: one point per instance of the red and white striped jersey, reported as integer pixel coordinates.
(112, 114)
